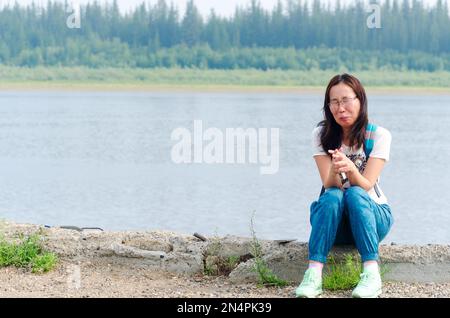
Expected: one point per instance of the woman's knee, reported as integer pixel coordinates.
(330, 204)
(332, 195)
(357, 203)
(355, 196)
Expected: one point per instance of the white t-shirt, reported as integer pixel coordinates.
(382, 144)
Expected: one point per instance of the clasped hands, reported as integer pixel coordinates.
(340, 162)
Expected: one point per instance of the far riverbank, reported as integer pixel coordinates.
(198, 80)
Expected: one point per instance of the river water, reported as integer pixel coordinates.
(104, 159)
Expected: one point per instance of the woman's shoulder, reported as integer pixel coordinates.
(382, 133)
(317, 130)
(316, 135)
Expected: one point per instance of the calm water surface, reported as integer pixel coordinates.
(103, 159)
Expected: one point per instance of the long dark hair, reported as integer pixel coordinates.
(331, 134)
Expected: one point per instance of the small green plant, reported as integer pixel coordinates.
(214, 263)
(27, 253)
(210, 270)
(345, 275)
(232, 261)
(215, 246)
(342, 276)
(44, 263)
(210, 257)
(265, 275)
(217, 266)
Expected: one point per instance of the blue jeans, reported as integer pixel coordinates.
(348, 217)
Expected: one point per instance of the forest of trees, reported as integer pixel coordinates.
(294, 35)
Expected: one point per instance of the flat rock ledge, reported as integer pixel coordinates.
(190, 255)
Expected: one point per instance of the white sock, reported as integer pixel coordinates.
(370, 266)
(317, 266)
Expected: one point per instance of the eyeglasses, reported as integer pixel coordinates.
(346, 102)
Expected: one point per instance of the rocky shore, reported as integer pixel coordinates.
(94, 263)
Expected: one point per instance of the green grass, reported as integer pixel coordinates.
(220, 265)
(345, 275)
(26, 253)
(265, 275)
(139, 78)
(232, 262)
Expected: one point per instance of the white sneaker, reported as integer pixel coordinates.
(311, 285)
(369, 286)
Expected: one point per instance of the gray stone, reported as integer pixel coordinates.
(286, 262)
(231, 246)
(415, 254)
(418, 273)
(244, 273)
(403, 263)
(133, 252)
(183, 263)
(65, 243)
(185, 254)
(187, 244)
(146, 241)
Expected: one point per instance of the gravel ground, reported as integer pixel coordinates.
(103, 278)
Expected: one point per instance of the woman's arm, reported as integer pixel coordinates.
(366, 180)
(370, 175)
(327, 174)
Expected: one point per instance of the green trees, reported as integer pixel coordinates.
(295, 34)
(192, 25)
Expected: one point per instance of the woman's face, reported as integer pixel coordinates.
(344, 105)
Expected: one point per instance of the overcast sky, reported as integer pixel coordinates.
(222, 7)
